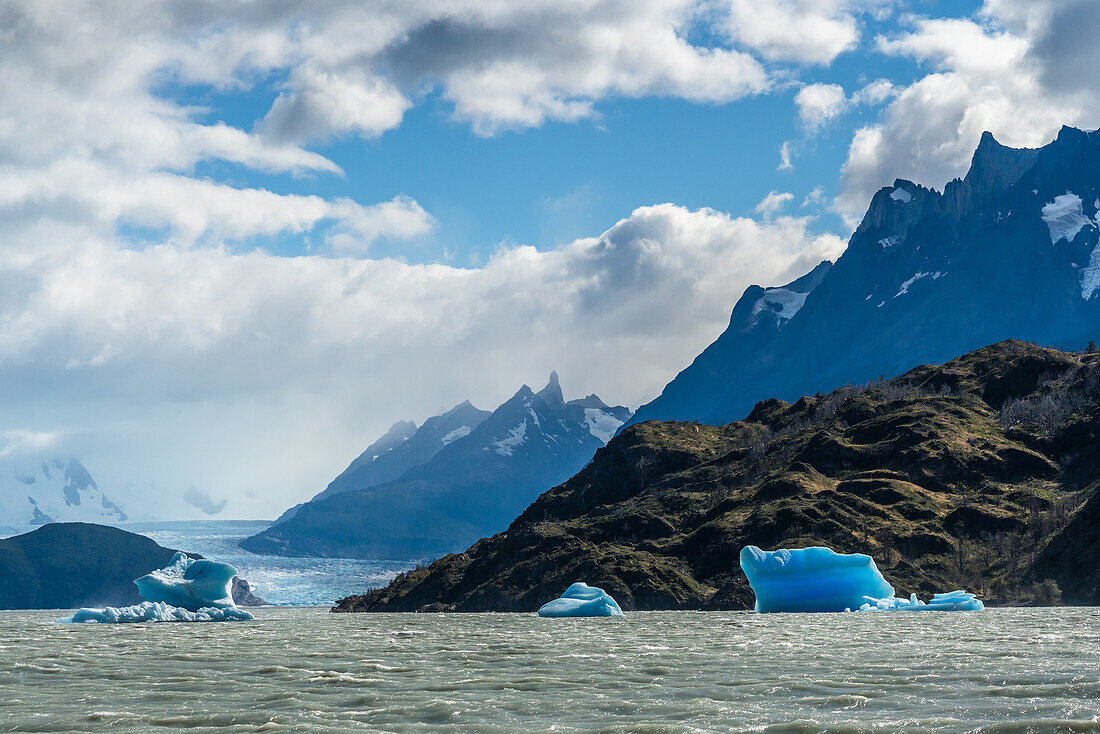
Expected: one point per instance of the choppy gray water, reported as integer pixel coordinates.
(305, 670)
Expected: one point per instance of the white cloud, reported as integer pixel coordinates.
(785, 157)
(193, 208)
(156, 361)
(359, 225)
(805, 31)
(771, 204)
(816, 197)
(992, 73)
(819, 104)
(319, 104)
(875, 93)
(15, 442)
(146, 334)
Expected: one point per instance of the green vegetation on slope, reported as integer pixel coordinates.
(972, 474)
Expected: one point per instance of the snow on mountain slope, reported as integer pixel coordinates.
(472, 486)
(602, 423)
(36, 491)
(1065, 218)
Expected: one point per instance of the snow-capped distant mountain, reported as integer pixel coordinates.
(1009, 251)
(39, 491)
(489, 468)
(402, 447)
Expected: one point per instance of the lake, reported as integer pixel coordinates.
(306, 670)
(276, 579)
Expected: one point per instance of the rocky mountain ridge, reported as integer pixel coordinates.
(980, 473)
(1009, 251)
(480, 476)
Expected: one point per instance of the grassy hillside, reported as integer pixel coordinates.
(981, 473)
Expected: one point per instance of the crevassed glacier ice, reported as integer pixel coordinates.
(582, 600)
(186, 590)
(821, 580)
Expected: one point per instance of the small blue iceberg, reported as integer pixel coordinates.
(582, 600)
(822, 580)
(186, 590)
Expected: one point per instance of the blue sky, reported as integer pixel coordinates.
(551, 184)
(240, 240)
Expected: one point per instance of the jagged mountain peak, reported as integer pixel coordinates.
(589, 401)
(552, 392)
(482, 476)
(1009, 251)
(402, 429)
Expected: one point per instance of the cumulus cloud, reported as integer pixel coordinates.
(805, 31)
(773, 203)
(207, 349)
(147, 331)
(818, 104)
(993, 72)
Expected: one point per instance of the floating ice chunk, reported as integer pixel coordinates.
(156, 611)
(186, 590)
(811, 579)
(189, 583)
(821, 580)
(955, 601)
(582, 600)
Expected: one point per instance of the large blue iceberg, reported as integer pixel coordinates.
(822, 580)
(582, 600)
(186, 590)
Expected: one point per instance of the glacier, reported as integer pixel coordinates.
(186, 590)
(819, 579)
(582, 600)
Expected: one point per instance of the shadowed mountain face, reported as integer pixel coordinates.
(402, 448)
(75, 564)
(485, 473)
(1007, 252)
(982, 473)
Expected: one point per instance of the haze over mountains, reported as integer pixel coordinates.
(1009, 251)
(461, 475)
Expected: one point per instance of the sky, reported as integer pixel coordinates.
(239, 240)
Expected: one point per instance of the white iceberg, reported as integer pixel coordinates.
(157, 611)
(822, 580)
(190, 583)
(955, 601)
(186, 590)
(582, 600)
